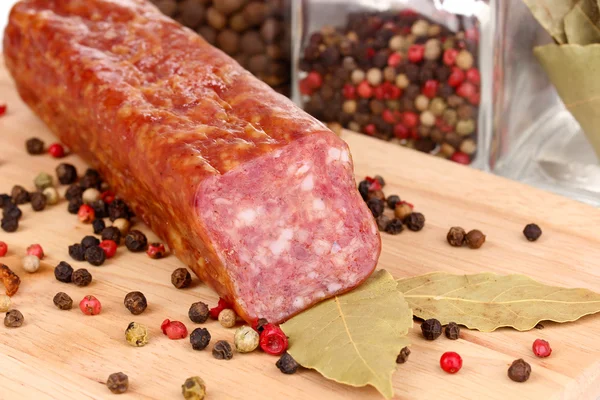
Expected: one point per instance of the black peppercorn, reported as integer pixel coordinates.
(66, 173)
(181, 278)
(200, 338)
(100, 208)
(98, 226)
(81, 277)
(260, 324)
(532, 232)
(118, 209)
(380, 179)
(392, 200)
(91, 179)
(34, 146)
(111, 233)
(9, 224)
(431, 329)
(456, 236)
(136, 241)
(383, 221)
(74, 192)
(287, 364)
(74, 204)
(20, 195)
(452, 331)
(135, 302)
(445, 90)
(403, 355)
(475, 239)
(394, 227)
(415, 221)
(13, 319)
(77, 252)
(519, 370)
(222, 350)
(63, 301)
(117, 383)
(363, 189)
(5, 200)
(12, 211)
(95, 255)
(89, 241)
(376, 207)
(63, 272)
(198, 312)
(38, 201)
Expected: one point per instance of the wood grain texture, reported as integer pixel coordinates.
(67, 355)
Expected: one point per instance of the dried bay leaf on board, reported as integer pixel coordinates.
(582, 23)
(550, 14)
(489, 301)
(354, 338)
(575, 72)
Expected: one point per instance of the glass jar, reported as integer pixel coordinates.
(405, 71)
(255, 33)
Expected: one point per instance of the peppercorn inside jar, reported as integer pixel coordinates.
(399, 75)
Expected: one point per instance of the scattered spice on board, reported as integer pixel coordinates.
(9, 225)
(392, 201)
(3, 249)
(136, 334)
(74, 205)
(431, 329)
(38, 201)
(34, 146)
(12, 211)
(98, 225)
(174, 329)
(475, 239)
(215, 311)
(135, 241)
(272, 340)
(415, 221)
(111, 233)
(227, 318)
(74, 192)
(135, 302)
(81, 277)
(246, 339)
(403, 355)
(395, 226)
(31, 264)
(5, 303)
(383, 221)
(156, 250)
(376, 207)
(90, 195)
(13, 319)
(452, 331)
(56, 150)
(222, 350)
(86, 214)
(10, 279)
(95, 256)
(51, 195)
(122, 225)
(90, 305)
(63, 301)
(43, 181)
(118, 209)
(117, 383)
(66, 173)
(20, 195)
(109, 247)
(35, 250)
(402, 210)
(541, 348)
(456, 236)
(260, 324)
(287, 364)
(198, 312)
(200, 338)
(532, 232)
(89, 241)
(181, 278)
(519, 370)
(451, 362)
(193, 388)
(90, 179)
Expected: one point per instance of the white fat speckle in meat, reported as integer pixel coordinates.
(335, 248)
(318, 204)
(247, 216)
(302, 235)
(321, 247)
(221, 201)
(312, 275)
(345, 156)
(333, 154)
(282, 243)
(298, 302)
(308, 183)
(334, 287)
(303, 169)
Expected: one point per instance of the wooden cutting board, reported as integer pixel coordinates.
(67, 355)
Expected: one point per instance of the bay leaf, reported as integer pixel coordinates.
(582, 23)
(489, 301)
(354, 338)
(550, 14)
(575, 72)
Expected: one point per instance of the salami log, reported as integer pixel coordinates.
(254, 195)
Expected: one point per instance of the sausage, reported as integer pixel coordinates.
(254, 195)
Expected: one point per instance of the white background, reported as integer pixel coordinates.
(5, 6)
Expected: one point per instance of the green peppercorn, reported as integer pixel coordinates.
(194, 388)
(136, 334)
(245, 339)
(43, 181)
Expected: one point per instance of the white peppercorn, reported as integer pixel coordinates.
(122, 225)
(422, 102)
(227, 318)
(357, 76)
(5, 303)
(427, 118)
(90, 195)
(396, 43)
(446, 149)
(465, 127)
(374, 76)
(433, 49)
(420, 28)
(51, 195)
(349, 106)
(354, 126)
(434, 30)
(389, 74)
(402, 81)
(245, 339)
(464, 60)
(31, 263)
(437, 106)
(468, 146)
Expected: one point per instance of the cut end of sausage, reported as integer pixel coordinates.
(290, 227)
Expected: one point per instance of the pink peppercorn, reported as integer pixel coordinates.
(3, 249)
(90, 305)
(410, 119)
(314, 80)
(107, 197)
(272, 340)
(2, 108)
(450, 57)
(416, 52)
(86, 214)
(349, 92)
(56, 150)
(389, 116)
(451, 362)
(365, 90)
(473, 76)
(394, 59)
(391, 91)
(305, 88)
(456, 77)
(430, 88)
(215, 311)
(475, 98)
(460, 157)
(466, 90)
(401, 131)
(541, 348)
(35, 250)
(370, 129)
(156, 250)
(109, 247)
(174, 329)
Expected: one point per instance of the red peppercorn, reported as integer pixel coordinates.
(466, 90)
(430, 88)
(90, 305)
(305, 88)
(156, 250)
(414, 134)
(215, 311)
(349, 92)
(461, 158)
(472, 34)
(370, 129)
(450, 57)
(473, 76)
(86, 214)
(394, 59)
(56, 150)
(407, 203)
(416, 52)
(541, 348)
(314, 80)
(3, 249)
(408, 13)
(109, 247)
(379, 92)
(401, 131)
(174, 329)
(365, 90)
(475, 98)
(410, 119)
(370, 53)
(451, 362)
(272, 340)
(2, 108)
(107, 197)
(456, 77)
(389, 116)
(390, 91)
(443, 126)
(35, 250)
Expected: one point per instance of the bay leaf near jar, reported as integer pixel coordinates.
(354, 338)
(488, 301)
(575, 72)
(551, 15)
(582, 23)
